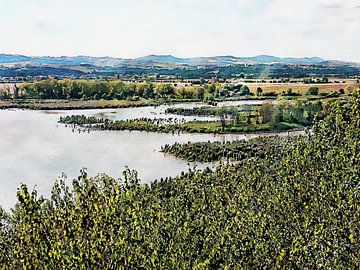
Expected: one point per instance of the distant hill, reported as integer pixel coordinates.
(6, 59)
(227, 66)
(13, 58)
(168, 59)
(287, 60)
(260, 59)
(227, 60)
(63, 60)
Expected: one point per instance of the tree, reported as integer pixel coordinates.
(165, 90)
(265, 112)
(277, 116)
(212, 88)
(259, 91)
(313, 91)
(16, 91)
(222, 114)
(245, 90)
(118, 90)
(201, 93)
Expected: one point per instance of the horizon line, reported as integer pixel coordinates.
(172, 55)
(160, 54)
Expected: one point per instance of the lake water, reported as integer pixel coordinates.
(159, 111)
(36, 150)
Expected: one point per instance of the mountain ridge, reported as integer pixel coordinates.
(221, 60)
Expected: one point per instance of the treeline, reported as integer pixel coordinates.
(81, 89)
(115, 89)
(92, 89)
(296, 209)
(234, 151)
(300, 111)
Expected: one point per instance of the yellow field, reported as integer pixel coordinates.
(300, 88)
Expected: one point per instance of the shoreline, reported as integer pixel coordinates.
(39, 104)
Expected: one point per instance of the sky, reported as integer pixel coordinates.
(185, 28)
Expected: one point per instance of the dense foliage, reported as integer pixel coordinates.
(301, 111)
(296, 209)
(115, 89)
(235, 150)
(75, 89)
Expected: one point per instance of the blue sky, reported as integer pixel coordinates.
(185, 28)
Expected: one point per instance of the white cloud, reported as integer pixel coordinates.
(128, 28)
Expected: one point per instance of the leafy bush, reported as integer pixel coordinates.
(235, 150)
(313, 91)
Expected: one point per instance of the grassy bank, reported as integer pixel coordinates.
(52, 104)
(78, 104)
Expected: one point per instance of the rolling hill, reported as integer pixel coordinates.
(6, 59)
(262, 66)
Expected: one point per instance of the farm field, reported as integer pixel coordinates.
(302, 88)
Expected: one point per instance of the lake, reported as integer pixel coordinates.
(36, 150)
